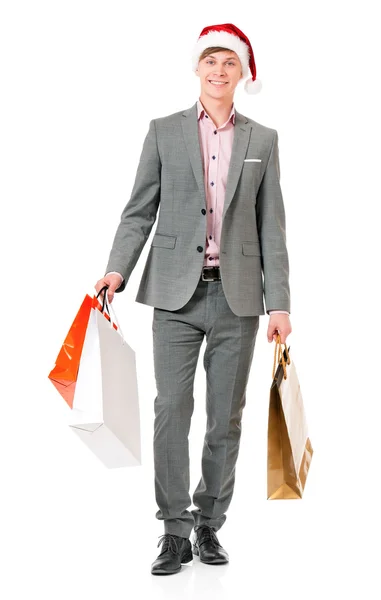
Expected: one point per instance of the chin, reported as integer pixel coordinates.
(210, 89)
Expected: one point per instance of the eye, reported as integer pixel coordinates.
(210, 61)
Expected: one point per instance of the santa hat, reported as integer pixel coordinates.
(229, 36)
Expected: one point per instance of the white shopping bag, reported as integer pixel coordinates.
(294, 414)
(105, 413)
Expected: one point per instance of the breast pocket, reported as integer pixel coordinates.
(163, 240)
(251, 171)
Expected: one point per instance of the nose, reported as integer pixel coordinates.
(219, 70)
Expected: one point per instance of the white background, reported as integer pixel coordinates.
(80, 82)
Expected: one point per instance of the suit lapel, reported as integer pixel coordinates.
(241, 138)
(192, 142)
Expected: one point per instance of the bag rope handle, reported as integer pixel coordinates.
(278, 347)
(106, 304)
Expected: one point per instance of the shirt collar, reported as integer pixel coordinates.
(201, 112)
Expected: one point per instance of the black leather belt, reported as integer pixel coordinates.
(210, 274)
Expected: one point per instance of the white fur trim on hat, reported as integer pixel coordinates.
(226, 40)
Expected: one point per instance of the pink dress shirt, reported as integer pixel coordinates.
(216, 147)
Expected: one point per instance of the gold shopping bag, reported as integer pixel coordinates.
(289, 450)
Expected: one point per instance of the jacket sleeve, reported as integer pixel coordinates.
(271, 223)
(139, 214)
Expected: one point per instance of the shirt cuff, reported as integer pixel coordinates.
(115, 273)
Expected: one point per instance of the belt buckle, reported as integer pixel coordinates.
(211, 278)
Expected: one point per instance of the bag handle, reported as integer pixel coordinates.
(105, 300)
(278, 346)
(107, 305)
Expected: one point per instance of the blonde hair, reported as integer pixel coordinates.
(212, 49)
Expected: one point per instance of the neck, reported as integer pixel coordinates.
(217, 108)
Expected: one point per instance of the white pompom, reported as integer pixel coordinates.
(253, 87)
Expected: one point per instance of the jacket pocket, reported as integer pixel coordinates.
(164, 241)
(251, 248)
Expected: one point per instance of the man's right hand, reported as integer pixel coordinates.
(113, 281)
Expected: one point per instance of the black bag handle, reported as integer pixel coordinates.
(105, 287)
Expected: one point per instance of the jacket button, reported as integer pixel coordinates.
(203, 211)
(200, 248)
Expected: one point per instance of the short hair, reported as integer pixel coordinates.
(212, 49)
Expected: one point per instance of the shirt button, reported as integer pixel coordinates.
(207, 116)
(203, 211)
(211, 210)
(213, 157)
(200, 248)
(210, 237)
(212, 183)
(215, 132)
(210, 257)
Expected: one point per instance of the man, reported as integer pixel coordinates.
(215, 174)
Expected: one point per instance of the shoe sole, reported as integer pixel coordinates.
(218, 561)
(186, 559)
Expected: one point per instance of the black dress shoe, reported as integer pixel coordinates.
(207, 546)
(176, 550)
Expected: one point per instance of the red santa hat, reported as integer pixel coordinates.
(229, 36)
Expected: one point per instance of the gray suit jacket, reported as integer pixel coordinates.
(253, 254)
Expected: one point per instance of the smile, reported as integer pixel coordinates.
(217, 82)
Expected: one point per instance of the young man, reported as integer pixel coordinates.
(215, 174)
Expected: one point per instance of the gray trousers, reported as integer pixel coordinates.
(177, 338)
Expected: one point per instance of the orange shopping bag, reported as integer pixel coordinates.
(96, 374)
(65, 372)
(289, 449)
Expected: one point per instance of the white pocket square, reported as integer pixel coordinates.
(252, 160)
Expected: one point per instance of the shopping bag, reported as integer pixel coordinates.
(289, 449)
(65, 371)
(105, 406)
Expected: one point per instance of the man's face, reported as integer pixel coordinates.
(222, 66)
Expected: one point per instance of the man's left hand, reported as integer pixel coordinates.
(279, 323)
